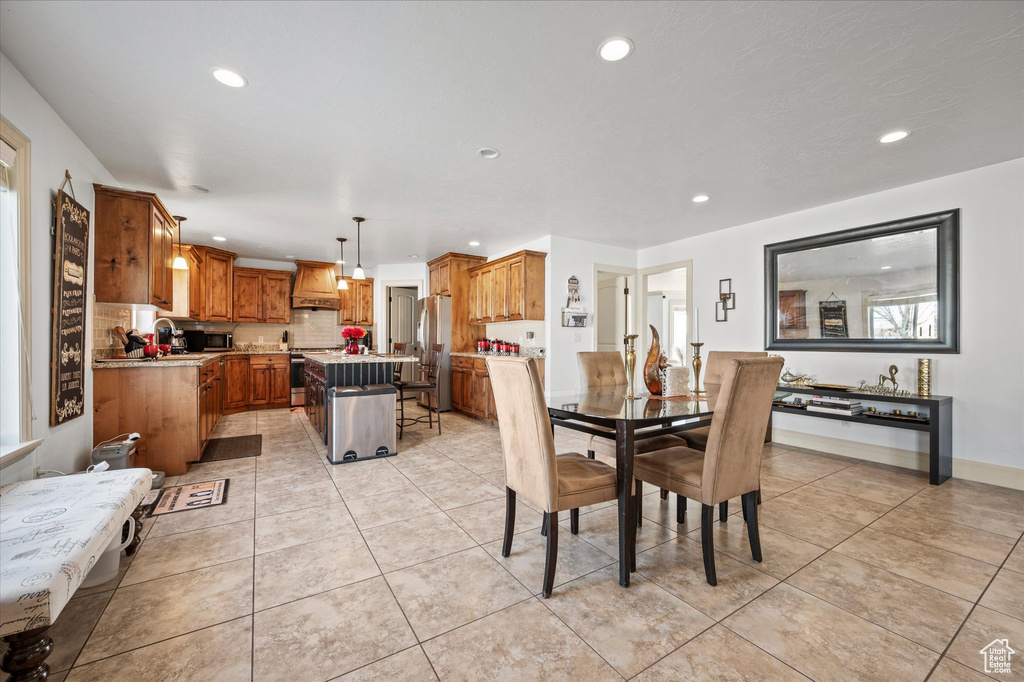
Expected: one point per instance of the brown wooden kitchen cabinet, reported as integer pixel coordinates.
(269, 380)
(440, 277)
(449, 276)
(175, 409)
(217, 282)
(134, 236)
(236, 383)
(261, 296)
(510, 288)
(356, 303)
(471, 387)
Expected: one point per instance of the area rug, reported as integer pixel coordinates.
(235, 447)
(178, 498)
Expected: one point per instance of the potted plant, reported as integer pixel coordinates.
(352, 333)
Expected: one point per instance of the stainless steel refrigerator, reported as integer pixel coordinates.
(433, 326)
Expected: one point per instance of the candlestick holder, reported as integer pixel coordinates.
(696, 368)
(630, 341)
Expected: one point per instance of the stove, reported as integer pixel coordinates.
(298, 383)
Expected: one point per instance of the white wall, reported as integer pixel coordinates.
(54, 149)
(986, 379)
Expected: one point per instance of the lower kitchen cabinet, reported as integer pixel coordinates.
(236, 383)
(315, 379)
(269, 380)
(175, 410)
(471, 387)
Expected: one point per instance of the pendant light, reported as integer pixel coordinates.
(358, 272)
(342, 283)
(179, 261)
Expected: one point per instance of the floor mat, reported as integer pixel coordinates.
(179, 498)
(234, 447)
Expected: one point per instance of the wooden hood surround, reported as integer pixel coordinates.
(315, 286)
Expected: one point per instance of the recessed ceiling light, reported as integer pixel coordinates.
(229, 77)
(220, 239)
(700, 198)
(614, 49)
(412, 255)
(887, 267)
(289, 256)
(488, 152)
(474, 243)
(894, 136)
(199, 188)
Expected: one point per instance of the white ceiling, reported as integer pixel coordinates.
(377, 109)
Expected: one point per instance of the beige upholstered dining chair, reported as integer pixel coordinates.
(730, 465)
(718, 362)
(606, 369)
(532, 469)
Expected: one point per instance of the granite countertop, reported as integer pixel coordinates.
(523, 353)
(341, 358)
(191, 360)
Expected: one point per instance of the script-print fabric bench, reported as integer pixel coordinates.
(52, 532)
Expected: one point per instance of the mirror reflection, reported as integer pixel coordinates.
(877, 288)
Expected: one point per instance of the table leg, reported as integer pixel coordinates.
(26, 655)
(940, 444)
(624, 449)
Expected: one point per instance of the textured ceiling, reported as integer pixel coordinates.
(377, 109)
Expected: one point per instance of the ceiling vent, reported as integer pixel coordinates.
(315, 286)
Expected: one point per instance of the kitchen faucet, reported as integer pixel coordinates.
(156, 335)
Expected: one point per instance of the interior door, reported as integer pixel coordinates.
(611, 313)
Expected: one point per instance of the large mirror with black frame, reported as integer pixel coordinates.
(891, 287)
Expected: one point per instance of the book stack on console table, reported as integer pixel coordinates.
(831, 405)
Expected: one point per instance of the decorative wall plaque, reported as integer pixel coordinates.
(70, 273)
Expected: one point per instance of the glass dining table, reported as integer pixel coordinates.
(607, 413)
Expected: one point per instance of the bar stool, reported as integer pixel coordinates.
(428, 385)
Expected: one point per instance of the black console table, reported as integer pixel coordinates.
(939, 426)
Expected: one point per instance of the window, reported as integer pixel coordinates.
(15, 395)
(903, 316)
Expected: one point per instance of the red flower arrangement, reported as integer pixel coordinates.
(352, 333)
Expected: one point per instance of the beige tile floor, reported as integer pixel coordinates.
(391, 570)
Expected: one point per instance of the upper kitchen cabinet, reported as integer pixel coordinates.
(134, 248)
(261, 295)
(449, 276)
(507, 289)
(356, 302)
(217, 282)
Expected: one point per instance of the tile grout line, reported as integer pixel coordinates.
(971, 612)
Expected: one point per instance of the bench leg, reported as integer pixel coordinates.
(26, 655)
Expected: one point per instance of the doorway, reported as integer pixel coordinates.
(402, 303)
(666, 291)
(613, 313)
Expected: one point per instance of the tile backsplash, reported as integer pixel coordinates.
(516, 331)
(308, 329)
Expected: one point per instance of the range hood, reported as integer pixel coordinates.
(315, 286)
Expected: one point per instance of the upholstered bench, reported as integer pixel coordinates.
(52, 531)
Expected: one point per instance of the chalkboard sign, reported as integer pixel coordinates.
(67, 350)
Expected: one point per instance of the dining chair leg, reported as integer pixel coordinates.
(743, 508)
(437, 406)
(664, 493)
(759, 496)
(680, 509)
(551, 558)
(510, 521)
(707, 541)
(750, 507)
(430, 413)
(723, 511)
(544, 525)
(574, 521)
(638, 496)
(591, 455)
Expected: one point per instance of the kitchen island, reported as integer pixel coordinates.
(324, 371)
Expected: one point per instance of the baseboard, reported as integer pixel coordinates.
(982, 472)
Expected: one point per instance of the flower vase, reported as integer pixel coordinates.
(352, 348)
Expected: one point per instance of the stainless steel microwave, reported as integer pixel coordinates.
(200, 340)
